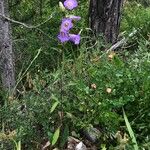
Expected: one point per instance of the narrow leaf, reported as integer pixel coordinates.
(55, 136)
(54, 106)
(19, 145)
(130, 131)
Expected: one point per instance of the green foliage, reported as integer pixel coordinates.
(77, 94)
(137, 17)
(70, 88)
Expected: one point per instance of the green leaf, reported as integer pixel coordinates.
(54, 97)
(55, 136)
(71, 83)
(64, 136)
(103, 147)
(19, 145)
(50, 136)
(130, 131)
(118, 62)
(54, 106)
(56, 75)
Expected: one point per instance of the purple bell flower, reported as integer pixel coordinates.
(70, 4)
(66, 25)
(63, 37)
(75, 38)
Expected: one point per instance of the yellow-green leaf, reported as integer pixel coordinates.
(55, 136)
(54, 106)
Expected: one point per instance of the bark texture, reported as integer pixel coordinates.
(104, 17)
(6, 52)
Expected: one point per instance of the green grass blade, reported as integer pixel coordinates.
(131, 133)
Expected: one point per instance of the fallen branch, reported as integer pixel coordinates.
(121, 42)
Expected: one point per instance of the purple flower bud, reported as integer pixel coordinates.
(74, 18)
(70, 4)
(66, 25)
(63, 37)
(75, 38)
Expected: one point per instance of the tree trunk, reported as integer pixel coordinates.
(6, 53)
(104, 17)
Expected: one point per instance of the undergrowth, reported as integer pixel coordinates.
(81, 87)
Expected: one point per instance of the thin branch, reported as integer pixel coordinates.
(30, 26)
(26, 25)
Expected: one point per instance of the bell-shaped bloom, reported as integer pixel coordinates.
(74, 18)
(66, 25)
(70, 4)
(75, 38)
(63, 37)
